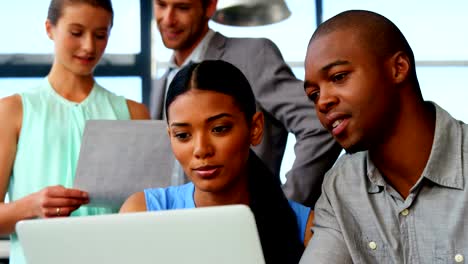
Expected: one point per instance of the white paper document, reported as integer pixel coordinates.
(120, 157)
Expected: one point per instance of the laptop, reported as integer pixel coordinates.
(120, 157)
(209, 235)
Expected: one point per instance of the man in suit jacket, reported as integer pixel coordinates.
(183, 25)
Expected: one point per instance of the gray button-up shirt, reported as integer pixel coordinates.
(361, 219)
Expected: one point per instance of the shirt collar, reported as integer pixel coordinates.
(197, 54)
(444, 166)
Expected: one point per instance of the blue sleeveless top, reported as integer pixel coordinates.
(181, 197)
(49, 143)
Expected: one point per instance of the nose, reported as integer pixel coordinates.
(203, 147)
(168, 17)
(326, 101)
(88, 44)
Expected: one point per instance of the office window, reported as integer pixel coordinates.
(434, 29)
(446, 86)
(27, 31)
(26, 51)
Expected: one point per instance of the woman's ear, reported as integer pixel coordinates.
(49, 26)
(256, 129)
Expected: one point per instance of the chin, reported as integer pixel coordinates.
(210, 188)
(84, 73)
(172, 44)
(351, 147)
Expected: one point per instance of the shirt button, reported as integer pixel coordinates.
(373, 245)
(458, 258)
(405, 212)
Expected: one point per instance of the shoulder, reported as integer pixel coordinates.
(172, 197)
(349, 169)
(11, 103)
(346, 184)
(135, 203)
(250, 42)
(137, 110)
(11, 112)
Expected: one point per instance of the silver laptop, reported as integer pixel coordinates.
(120, 157)
(209, 235)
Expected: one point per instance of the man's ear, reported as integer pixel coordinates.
(49, 27)
(256, 129)
(211, 8)
(401, 67)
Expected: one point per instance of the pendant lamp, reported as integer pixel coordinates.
(250, 12)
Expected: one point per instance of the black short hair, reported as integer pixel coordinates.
(214, 75)
(376, 32)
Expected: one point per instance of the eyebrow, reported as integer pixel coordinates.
(326, 68)
(209, 120)
(213, 118)
(81, 26)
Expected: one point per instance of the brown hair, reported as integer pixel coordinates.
(56, 8)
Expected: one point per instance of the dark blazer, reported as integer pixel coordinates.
(282, 99)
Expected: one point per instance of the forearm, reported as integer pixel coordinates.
(11, 213)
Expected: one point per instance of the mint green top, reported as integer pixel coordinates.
(49, 143)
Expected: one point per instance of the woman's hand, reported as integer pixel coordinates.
(57, 201)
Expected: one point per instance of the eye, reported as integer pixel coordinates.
(160, 4)
(313, 94)
(101, 35)
(339, 77)
(75, 33)
(182, 136)
(184, 8)
(221, 129)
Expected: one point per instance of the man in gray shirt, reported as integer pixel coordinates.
(399, 195)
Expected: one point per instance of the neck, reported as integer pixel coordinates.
(71, 86)
(403, 155)
(181, 55)
(234, 194)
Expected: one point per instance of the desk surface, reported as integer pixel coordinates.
(4, 249)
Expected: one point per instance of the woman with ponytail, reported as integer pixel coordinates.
(212, 123)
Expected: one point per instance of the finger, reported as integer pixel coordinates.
(64, 202)
(58, 211)
(60, 191)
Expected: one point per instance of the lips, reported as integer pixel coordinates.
(339, 126)
(337, 123)
(209, 171)
(171, 34)
(85, 59)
